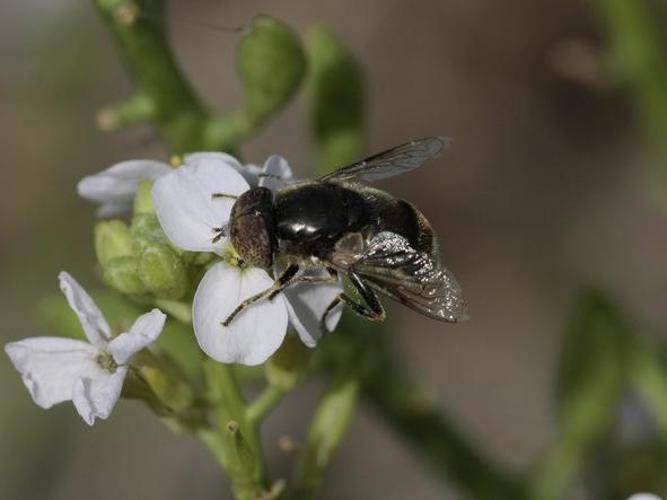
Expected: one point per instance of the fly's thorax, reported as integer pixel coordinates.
(252, 227)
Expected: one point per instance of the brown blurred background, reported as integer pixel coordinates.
(548, 186)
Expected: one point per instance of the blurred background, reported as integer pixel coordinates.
(550, 184)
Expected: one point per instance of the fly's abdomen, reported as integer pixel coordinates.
(400, 217)
(317, 211)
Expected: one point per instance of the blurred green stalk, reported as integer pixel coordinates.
(638, 57)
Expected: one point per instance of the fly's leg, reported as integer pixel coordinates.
(373, 310)
(332, 277)
(279, 285)
(219, 232)
(216, 196)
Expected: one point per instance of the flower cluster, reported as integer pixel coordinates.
(192, 218)
(91, 373)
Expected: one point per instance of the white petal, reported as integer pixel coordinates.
(307, 304)
(255, 333)
(187, 212)
(50, 366)
(249, 172)
(95, 394)
(277, 172)
(94, 325)
(143, 332)
(115, 187)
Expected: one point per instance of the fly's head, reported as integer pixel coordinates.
(252, 227)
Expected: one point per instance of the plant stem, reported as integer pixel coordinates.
(162, 96)
(395, 397)
(638, 51)
(649, 376)
(265, 402)
(236, 442)
(434, 435)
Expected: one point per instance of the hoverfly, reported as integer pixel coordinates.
(339, 224)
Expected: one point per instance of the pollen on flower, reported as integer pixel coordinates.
(232, 257)
(176, 160)
(106, 362)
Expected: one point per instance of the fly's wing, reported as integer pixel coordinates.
(391, 266)
(391, 162)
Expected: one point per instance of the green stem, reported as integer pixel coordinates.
(236, 442)
(165, 97)
(638, 54)
(434, 435)
(265, 402)
(649, 376)
(395, 397)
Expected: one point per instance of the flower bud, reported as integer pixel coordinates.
(143, 202)
(112, 239)
(162, 271)
(286, 366)
(271, 64)
(170, 390)
(159, 384)
(337, 100)
(146, 229)
(122, 274)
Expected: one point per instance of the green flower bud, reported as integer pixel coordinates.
(112, 239)
(146, 232)
(159, 384)
(170, 390)
(122, 274)
(337, 100)
(329, 424)
(286, 366)
(162, 271)
(143, 202)
(271, 65)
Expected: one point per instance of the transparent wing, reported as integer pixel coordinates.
(392, 267)
(392, 162)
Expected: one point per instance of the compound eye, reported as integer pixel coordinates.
(252, 240)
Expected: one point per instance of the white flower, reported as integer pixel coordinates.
(114, 189)
(192, 219)
(91, 373)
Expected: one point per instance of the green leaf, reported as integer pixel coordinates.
(337, 100)
(271, 65)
